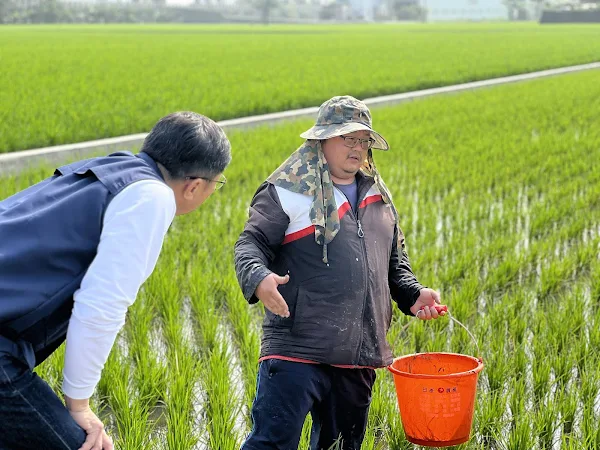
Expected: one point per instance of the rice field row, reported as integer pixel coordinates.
(65, 84)
(499, 197)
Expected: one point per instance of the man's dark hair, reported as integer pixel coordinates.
(188, 144)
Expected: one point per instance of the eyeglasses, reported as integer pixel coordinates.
(220, 182)
(351, 141)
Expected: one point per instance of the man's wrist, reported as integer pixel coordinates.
(77, 405)
(258, 275)
(415, 296)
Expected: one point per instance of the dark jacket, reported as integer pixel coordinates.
(340, 312)
(49, 234)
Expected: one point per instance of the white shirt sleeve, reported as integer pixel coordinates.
(135, 224)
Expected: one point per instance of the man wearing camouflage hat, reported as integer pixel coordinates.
(323, 252)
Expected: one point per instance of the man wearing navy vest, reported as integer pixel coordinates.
(74, 251)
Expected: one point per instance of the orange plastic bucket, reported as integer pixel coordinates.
(436, 396)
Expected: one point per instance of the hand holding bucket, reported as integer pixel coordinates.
(436, 394)
(428, 306)
(441, 310)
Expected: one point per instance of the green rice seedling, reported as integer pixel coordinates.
(517, 400)
(595, 283)
(205, 313)
(588, 389)
(461, 298)
(437, 336)
(111, 370)
(520, 436)
(563, 368)
(419, 337)
(497, 365)
(384, 414)
(305, 436)
(505, 275)
(132, 414)
(221, 411)
(546, 424)
(559, 339)
(517, 307)
(568, 443)
(593, 331)
(581, 353)
(456, 272)
(110, 394)
(166, 295)
(149, 375)
(553, 277)
(490, 417)
(395, 437)
(246, 337)
(568, 401)
(51, 370)
(181, 433)
(337, 445)
(541, 380)
(372, 440)
(590, 429)
(519, 362)
(585, 256)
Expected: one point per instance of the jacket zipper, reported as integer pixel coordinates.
(361, 235)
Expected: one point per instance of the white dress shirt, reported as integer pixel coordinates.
(135, 224)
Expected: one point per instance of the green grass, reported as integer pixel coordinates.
(498, 194)
(64, 84)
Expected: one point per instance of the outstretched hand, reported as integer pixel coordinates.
(269, 295)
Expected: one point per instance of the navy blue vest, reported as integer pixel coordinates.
(49, 234)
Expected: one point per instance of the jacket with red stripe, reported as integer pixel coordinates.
(341, 311)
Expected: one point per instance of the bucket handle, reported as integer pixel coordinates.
(405, 327)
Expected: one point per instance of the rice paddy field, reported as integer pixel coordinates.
(498, 192)
(65, 84)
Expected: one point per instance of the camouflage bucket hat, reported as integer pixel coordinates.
(342, 115)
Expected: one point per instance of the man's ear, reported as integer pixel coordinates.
(191, 188)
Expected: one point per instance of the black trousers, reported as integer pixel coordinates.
(337, 399)
(31, 414)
